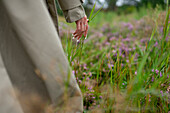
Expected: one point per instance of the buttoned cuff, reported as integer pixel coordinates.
(74, 14)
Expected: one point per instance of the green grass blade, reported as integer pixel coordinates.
(92, 12)
(96, 13)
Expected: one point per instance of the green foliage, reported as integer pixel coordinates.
(59, 11)
(126, 9)
(154, 3)
(141, 83)
(111, 4)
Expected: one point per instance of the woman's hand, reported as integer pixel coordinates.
(82, 28)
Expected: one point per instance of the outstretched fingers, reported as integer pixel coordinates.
(82, 28)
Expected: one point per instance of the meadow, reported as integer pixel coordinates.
(124, 64)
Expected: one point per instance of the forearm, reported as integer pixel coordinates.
(72, 9)
(74, 14)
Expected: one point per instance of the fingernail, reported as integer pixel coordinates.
(73, 36)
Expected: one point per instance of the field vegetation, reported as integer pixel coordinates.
(124, 64)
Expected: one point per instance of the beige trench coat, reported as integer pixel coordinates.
(32, 59)
(72, 10)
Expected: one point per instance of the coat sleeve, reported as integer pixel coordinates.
(72, 9)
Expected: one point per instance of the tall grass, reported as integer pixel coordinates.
(112, 83)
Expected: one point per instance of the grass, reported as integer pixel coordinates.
(123, 67)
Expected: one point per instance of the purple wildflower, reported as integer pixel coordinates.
(112, 38)
(130, 49)
(114, 51)
(149, 100)
(126, 39)
(73, 72)
(156, 43)
(161, 29)
(84, 73)
(84, 65)
(123, 83)
(104, 70)
(130, 27)
(161, 93)
(157, 71)
(80, 81)
(90, 74)
(91, 63)
(90, 88)
(160, 74)
(123, 56)
(100, 97)
(152, 79)
(72, 63)
(142, 40)
(87, 78)
(99, 34)
(152, 70)
(107, 43)
(110, 66)
(91, 94)
(85, 68)
(135, 72)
